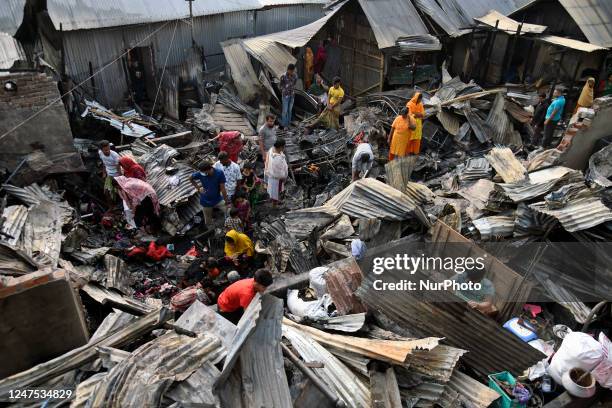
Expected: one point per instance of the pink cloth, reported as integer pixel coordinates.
(230, 142)
(133, 191)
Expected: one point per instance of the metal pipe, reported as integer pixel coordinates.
(337, 401)
(596, 309)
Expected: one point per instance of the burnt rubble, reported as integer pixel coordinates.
(139, 324)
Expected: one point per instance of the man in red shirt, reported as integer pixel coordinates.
(233, 301)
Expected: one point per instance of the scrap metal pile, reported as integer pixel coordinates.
(321, 335)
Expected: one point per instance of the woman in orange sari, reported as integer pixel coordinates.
(416, 109)
(401, 133)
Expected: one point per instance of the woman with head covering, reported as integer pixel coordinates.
(587, 95)
(132, 169)
(140, 202)
(401, 134)
(238, 248)
(416, 109)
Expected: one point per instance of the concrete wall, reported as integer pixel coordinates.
(42, 318)
(48, 131)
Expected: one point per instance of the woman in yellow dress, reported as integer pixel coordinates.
(401, 133)
(416, 109)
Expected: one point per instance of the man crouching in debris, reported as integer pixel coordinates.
(211, 189)
(362, 160)
(236, 297)
(110, 170)
(480, 299)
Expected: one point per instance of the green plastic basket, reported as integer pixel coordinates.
(505, 401)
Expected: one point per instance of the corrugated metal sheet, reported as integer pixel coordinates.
(243, 74)
(244, 328)
(579, 214)
(476, 169)
(197, 389)
(14, 218)
(392, 19)
(469, 392)
(142, 379)
(539, 183)
(450, 20)
(399, 171)
(370, 198)
(509, 25)
(506, 164)
(117, 274)
(102, 46)
(490, 347)
(286, 18)
(108, 297)
(503, 131)
(391, 351)
(273, 55)
(76, 358)
(343, 277)
(11, 15)
(261, 359)
(437, 363)
(594, 17)
(302, 223)
(494, 226)
(297, 37)
(14, 261)
(111, 323)
(200, 318)
(570, 43)
(350, 388)
(511, 288)
(42, 233)
(88, 14)
(10, 51)
(283, 248)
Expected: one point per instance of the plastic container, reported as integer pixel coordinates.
(506, 400)
(519, 331)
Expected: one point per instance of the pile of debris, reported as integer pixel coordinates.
(130, 318)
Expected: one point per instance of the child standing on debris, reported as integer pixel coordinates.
(416, 109)
(251, 184)
(401, 134)
(233, 221)
(241, 204)
(287, 86)
(111, 169)
(211, 189)
(276, 170)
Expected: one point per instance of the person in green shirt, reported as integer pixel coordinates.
(319, 89)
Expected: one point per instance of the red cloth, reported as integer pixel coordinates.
(158, 252)
(237, 295)
(133, 191)
(132, 169)
(193, 251)
(230, 142)
(320, 59)
(136, 251)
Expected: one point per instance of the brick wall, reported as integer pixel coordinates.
(33, 91)
(48, 131)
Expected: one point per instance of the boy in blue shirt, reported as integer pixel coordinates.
(553, 116)
(212, 190)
